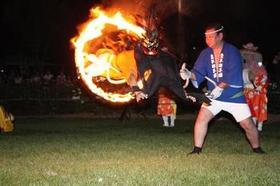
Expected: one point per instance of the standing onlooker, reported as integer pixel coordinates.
(274, 69)
(255, 83)
(166, 107)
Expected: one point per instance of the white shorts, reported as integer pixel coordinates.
(239, 111)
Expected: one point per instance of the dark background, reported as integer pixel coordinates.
(35, 39)
(39, 32)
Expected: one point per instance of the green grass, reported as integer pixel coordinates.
(67, 151)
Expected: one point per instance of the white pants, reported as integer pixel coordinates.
(239, 111)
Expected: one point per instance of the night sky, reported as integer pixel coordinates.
(41, 30)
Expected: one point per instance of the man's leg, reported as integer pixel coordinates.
(172, 120)
(165, 121)
(260, 125)
(200, 128)
(251, 134)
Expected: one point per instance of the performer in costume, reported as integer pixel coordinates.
(255, 83)
(227, 69)
(157, 68)
(166, 107)
(221, 62)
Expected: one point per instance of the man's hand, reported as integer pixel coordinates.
(140, 95)
(258, 88)
(216, 92)
(185, 74)
(198, 98)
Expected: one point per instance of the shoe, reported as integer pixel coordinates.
(165, 125)
(196, 150)
(258, 150)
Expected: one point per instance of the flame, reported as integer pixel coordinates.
(96, 62)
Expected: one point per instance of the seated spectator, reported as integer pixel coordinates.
(18, 79)
(60, 78)
(47, 77)
(36, 79)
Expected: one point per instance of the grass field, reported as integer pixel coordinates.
(87, 151)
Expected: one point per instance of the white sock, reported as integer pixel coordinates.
(254, 120)
(165, 120)
(172, 119)
(260, 125)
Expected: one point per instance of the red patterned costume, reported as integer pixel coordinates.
(255, 84)
(166, 107)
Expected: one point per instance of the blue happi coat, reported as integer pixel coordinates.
(229, 71)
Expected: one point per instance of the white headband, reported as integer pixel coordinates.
(215, 31)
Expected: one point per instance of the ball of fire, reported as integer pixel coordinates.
(104, 55)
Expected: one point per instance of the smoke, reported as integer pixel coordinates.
(166, 15)
(143, 8)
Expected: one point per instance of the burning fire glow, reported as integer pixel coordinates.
(104, 54)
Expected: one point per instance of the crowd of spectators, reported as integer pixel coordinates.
(16, 77)
(17, 84)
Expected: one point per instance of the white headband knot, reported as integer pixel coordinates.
(215, 31)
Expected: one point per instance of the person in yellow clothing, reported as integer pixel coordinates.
(166, 107)
(6, 120)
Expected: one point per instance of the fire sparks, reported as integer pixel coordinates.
(104, 54)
